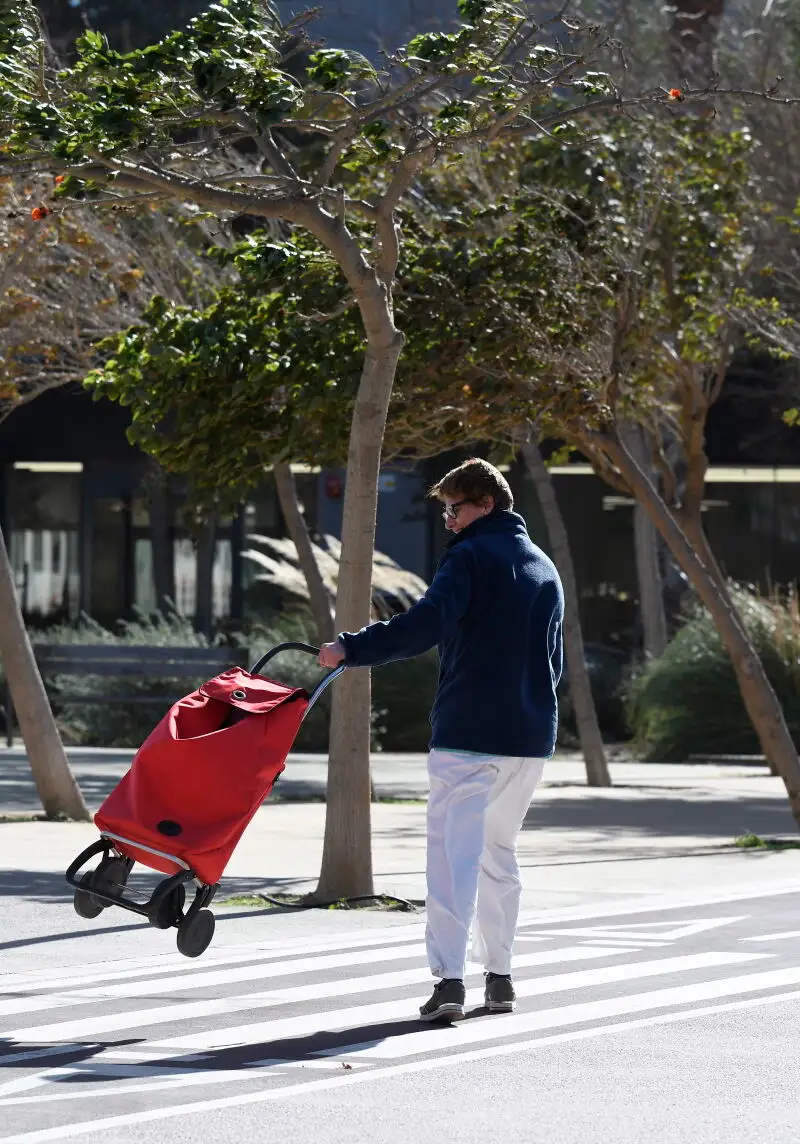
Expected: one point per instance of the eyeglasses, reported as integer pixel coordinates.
(451, 510)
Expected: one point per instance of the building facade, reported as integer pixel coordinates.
(75, 510)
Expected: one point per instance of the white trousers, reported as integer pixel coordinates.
(476, 807)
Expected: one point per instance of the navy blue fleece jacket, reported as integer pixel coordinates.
(495, 610)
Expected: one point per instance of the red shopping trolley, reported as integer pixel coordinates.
(192, 788)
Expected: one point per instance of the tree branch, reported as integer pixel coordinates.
(388, 236)
(342, 308)
(292, 207)
(273, 154)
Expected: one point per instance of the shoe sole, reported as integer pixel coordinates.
(450, 1012)
(501, 1006)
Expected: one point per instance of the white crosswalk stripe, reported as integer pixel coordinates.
(275, 1016)
(293, 967)
(381, 1011)
(167, 1014)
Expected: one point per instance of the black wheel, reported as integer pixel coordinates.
(195, 934)
(110, 877)
(85, 905)
(168, 912)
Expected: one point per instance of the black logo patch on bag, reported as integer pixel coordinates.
(170, 828)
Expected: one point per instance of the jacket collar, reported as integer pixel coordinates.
(498, 520)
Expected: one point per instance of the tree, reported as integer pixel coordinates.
(62, 286)
(593, 305)
(693, 36)
(271, 324)
(174, 122)
(55, 783)
(675, 316)
(652, 611)
(68, 279)
(318, 597)
(669, 279)
(223, 392)
(580, 687)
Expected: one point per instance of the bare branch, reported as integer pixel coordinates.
(342, 308)
(273, 154)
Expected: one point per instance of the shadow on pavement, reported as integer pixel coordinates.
(717, 817)
(18, 793)
(49, 889)
(238, 1058)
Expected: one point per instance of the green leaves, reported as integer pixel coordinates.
(189, 101)
(434, 46)
(335, 70)
(220, 392)
(112, 103)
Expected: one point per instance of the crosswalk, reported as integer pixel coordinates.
(92, 1047)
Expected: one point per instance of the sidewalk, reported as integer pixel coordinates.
(98, 771)
(660, 827)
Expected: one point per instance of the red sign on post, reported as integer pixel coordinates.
(333, 486)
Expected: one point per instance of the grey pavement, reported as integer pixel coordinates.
(99, 770)
(658, 968)
(659, 829)
(670, 1021)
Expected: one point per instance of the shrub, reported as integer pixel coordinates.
(118, 724)
(402, 693)
(402, 697)
(607, 668)
(688, 701)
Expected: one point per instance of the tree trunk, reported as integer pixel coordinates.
(591, 740)
(648, 573)
(651, 586)
(318, 595)
(55, 782)
(694, 530)
(692, 50)
(347, 850)
(759, 698)
(692, 40)
(161, 539)
(204, 578)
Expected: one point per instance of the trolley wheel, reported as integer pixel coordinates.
(85, 905)
(168, 912)
(109, 877)
(195, 933)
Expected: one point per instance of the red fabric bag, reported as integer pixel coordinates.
(203, 772)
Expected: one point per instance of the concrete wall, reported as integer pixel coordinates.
(369, 25)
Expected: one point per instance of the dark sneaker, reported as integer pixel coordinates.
(500, 996)
(447, 1002)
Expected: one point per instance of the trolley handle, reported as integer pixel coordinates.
(311, 650)
(306, 647)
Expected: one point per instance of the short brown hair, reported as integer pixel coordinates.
(473, 480)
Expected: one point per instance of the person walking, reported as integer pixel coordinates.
(495, 611)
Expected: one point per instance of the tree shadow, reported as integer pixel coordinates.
(717, 817)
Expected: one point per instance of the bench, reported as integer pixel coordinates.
(194, 664)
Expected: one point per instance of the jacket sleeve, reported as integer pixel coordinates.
(432, 619)
(555, 640)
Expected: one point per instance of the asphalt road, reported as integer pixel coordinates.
(668, 1024)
